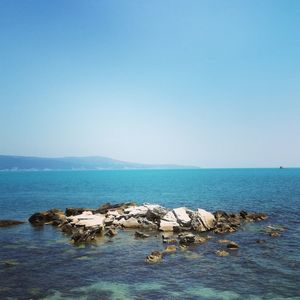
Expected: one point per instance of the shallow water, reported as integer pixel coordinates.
(40, 263)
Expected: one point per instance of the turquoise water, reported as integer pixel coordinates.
(40, 263)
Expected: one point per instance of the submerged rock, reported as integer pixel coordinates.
(6, 223)
(223, 241)
(186, 238)
(222, 253)
(85, 236)
(232, 246)
(168, 239)
(110, 232)
(154, 257)
(170, 249)
(200, 240)
(274, 230)
(141, 235)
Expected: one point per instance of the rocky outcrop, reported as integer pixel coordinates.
(83, 225)
(6, 223)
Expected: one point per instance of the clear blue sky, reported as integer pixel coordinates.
(207, 83)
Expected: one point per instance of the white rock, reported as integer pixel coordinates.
(113, 213)
(136, 211)
(182, 217)
(109, 220)
(208, 219)
(130, 223)
(87, 219)
(170, 217)
(167, 225)
(202, 220)
(152, 206)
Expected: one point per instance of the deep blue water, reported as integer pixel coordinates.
(40, 263)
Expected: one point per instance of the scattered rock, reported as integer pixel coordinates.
(141, 235)
(110, 232)
(168, 239)
(186, 238)
(6, 223)
(260, 241)
(154, 257)
(192, 255)
(232, 246)
(10, 262)
(85, 236)
(67, 228)
(200, 240)
(183, 247)
(222, 253)
(275, 234)
(224, 241)
(170, 249)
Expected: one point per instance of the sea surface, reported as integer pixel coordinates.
(41, 263)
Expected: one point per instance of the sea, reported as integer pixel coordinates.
(42, 263)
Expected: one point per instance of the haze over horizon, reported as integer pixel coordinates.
(201, 83)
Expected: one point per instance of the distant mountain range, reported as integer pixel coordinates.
(14, 163)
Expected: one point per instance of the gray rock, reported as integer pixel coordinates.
(141, 235)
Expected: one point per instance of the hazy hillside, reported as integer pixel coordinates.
(8, 162)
